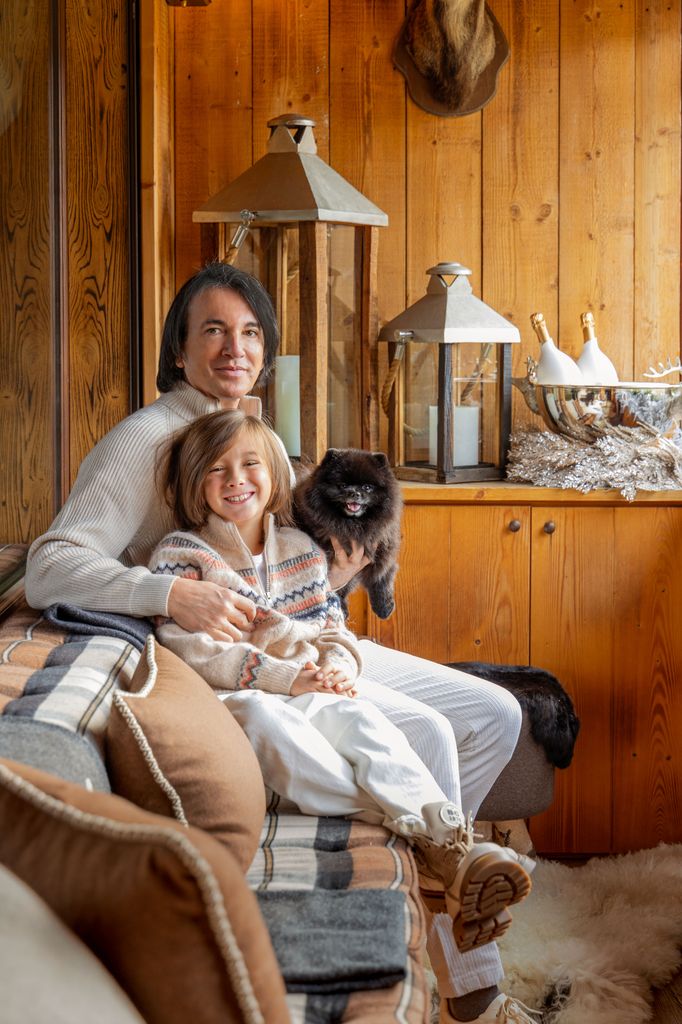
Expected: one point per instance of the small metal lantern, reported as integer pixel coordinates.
(312, 241)
(448, 395)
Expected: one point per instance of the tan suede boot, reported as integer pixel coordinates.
(478, 881)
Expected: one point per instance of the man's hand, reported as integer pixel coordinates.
(313, 679)
(345, 566)
(203, 607)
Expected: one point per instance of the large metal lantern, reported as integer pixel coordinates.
(310, 236)
(449, 405)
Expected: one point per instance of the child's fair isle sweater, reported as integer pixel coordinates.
(298, 618)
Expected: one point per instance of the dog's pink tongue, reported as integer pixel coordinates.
(352, 506)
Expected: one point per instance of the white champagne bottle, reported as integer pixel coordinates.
(596, 367)
(554, 366)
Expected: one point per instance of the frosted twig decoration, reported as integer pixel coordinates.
(664, 369)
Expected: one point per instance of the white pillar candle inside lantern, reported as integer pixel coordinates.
(287, 403)
(466, 446)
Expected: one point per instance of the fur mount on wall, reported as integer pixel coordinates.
(553, 721)
(450, 52)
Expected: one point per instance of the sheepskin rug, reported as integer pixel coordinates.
(590, 942)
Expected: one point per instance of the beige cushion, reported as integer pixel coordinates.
(174, 749)
(46, 973)
(164, 907)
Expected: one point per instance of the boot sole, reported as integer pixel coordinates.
(488, 883)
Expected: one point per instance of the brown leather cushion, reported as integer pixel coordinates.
(164, 907)
(174, 749)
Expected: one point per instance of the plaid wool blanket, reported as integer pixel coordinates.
(51, 677)
(300, 854)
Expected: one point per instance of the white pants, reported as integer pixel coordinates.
(485, 721)
(463, 729)
(341, 756)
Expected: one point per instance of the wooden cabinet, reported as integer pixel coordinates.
(588, 587)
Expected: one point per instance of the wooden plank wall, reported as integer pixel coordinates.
(562, 195)
(27, 465)
(65, 353)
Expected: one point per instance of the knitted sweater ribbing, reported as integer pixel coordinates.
(297, 620)
(96, 551)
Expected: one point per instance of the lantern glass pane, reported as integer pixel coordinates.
(475, 404)
(420, 408)
(344, 341)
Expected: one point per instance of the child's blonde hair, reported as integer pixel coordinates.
(190, 454)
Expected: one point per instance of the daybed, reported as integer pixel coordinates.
(152, 880)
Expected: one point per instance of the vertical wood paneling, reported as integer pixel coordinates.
(367, 134)
(290, 66)
(572, 613)
(647, 702)
(444, 195)
(213, 135)
(562, 195)
(520, 179)
(157, 203)
(657, 184)
(27, 454)
(97, 183)
(596, 149)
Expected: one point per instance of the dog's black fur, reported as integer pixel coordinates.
(353, 495)
(553, 721)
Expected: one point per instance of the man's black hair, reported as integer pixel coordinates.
(215, 275)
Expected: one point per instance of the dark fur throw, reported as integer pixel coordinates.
(353, 495)
(553, 721)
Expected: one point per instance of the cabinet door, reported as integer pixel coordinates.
(606, 593)
(572, 635)
(490, 583)
(647, 678)
(462, 592)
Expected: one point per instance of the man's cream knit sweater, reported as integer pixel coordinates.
(95, 553)
(298, 618)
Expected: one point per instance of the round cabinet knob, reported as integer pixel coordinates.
(514, 526)
(549, 527)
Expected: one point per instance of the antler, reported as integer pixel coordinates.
(664, 369)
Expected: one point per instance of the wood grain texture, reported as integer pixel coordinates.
(596, 152)
(572, 634)
(367, 118)
(97, 172)
(367, 108)
(562, 195)
(490, 585)
(647, 702)
(520, 196)
(444, 190)
(420, 623)
(27, 448)
(657, 184)
(290, 67)
(157, 202)
(213, 124)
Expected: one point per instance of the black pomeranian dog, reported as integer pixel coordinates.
(353, 495)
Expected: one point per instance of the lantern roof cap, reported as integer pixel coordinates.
(290, 183)
(450, 313)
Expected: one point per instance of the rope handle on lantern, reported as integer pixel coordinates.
(401, 340)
